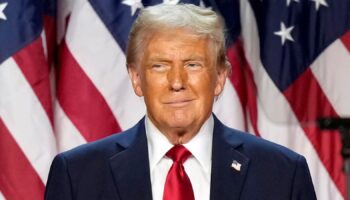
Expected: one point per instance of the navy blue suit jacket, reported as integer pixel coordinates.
(117, 168)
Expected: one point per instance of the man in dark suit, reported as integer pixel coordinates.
(179, 150)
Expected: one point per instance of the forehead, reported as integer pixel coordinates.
(176, 41)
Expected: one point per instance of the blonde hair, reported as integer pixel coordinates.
(202, 22)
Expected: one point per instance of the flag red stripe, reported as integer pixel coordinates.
(346, 40)
(18, 179)
(50, 32)
(32, 62)
(309, 102)
(81, 100)
(243, 81)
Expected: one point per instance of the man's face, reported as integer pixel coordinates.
(179, 80)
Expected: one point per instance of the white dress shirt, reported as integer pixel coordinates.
(197, 167)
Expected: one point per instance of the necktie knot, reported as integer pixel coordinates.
(178, 153)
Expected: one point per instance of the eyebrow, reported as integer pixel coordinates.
(165, 59)
(195, 57)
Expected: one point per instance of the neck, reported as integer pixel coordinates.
(179, 136)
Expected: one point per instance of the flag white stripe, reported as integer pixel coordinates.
(104, 62)
(1, 196)
(43, 39)
(228, 107)
(64, 8)
(250, 124)
(282, 134)
(332, 70)
(279, 124)
(25, 118)
(67, 134)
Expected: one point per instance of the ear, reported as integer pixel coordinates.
(134, 75)
(222, 74)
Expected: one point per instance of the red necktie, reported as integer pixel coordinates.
(178, 185)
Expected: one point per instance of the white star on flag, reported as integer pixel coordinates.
(134, 5)
(290, 1)
(202, 5)
(285, 33)
(2, 8)
(318, 3)
(171, 2)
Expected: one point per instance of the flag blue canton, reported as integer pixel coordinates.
(230, 12)
(50, 8)
(315, 28)
(24, 23)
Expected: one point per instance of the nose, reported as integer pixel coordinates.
(177, 78)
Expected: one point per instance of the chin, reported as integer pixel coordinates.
(179, 124)
(182, 117)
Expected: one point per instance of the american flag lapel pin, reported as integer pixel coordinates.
(236, 165)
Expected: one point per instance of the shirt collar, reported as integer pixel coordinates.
(200, 145)
(157, 143)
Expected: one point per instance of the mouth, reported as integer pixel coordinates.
(178, 103)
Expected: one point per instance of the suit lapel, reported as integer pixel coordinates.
(130, 167)
(227, 181)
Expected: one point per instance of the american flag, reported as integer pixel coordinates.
(291, 65)
(27, 139)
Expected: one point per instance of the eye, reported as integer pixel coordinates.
(159, 67)
(193, 65)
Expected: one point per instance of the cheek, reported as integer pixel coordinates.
(153, 85)
(204, 85)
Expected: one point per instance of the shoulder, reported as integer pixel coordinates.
(272, 163)
(259, 149)
(73, 173)
(103, 148)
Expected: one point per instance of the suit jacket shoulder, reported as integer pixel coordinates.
(97, 170)
(266, 170)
